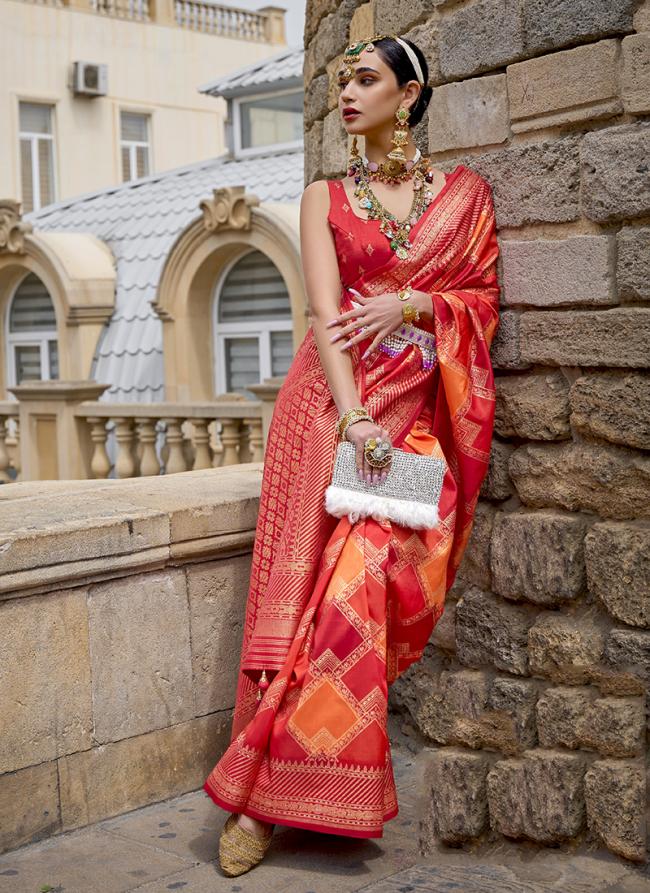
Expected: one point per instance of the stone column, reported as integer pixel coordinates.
(83, 5)
(54, 443)
(275, 31)
(162, 12)
(267, 392)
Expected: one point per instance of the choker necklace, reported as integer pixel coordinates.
(391, 171)
(396, 231)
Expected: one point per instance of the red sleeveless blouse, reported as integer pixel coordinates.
(361, 247)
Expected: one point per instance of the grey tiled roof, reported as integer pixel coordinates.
(140, 221)
(282, 70)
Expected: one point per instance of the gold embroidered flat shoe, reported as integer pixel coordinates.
(239, 849)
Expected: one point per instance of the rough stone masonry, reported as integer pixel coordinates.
(531, 701)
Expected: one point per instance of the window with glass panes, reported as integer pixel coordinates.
(32, 347)
(134, 145)
(253, 324)
(36, 155)
(271, 120)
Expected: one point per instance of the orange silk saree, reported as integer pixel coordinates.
(337, 611)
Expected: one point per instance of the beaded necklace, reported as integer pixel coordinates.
(396, 231)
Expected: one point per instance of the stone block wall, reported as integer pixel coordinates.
(121, 619)
(532, 699)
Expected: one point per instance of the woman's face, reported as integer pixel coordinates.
(373, 92)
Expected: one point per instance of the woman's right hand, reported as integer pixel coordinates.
(357, 433)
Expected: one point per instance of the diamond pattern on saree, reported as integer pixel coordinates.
(323, 717)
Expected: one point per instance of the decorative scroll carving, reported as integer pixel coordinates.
(12, 229)
(229, 208)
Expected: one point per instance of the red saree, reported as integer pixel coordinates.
(337, 611)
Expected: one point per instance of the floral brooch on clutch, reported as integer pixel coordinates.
(409, 496)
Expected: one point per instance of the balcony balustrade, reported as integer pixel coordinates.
(265, 25)
(59, 430)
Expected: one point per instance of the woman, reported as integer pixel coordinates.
(337, 610)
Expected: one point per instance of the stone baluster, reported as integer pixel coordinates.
(188, 446)
(5, 462)
(176, 461)
(125, 462)
(202, 458)
(217, 445)
(230, 440)
(100, 464)
(255, 439)
(244, 442)
(13, 444)
(149, 464)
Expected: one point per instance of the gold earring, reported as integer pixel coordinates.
(354, 156)
(400, 135)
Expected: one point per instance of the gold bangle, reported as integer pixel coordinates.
(351, 413)
(361, 418)
(405, 293)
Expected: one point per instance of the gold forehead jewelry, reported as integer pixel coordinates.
(353, 51)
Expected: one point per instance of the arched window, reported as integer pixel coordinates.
(32, 348)
(253, 324)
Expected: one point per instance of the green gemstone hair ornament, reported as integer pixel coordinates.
(355, 48)
(353, 51)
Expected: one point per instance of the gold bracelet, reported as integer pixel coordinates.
(410, 313)
(361, 418)
(355, 411)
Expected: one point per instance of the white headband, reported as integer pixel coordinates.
(413, 58)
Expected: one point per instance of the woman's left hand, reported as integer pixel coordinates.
(382, 314)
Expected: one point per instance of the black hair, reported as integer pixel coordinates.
(396, 57)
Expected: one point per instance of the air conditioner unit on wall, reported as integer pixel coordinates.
(90, 79)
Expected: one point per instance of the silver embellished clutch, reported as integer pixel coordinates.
(409, 496)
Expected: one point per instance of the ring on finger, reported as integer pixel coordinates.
(378, 453)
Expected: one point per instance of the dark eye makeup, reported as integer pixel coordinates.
(366, 78)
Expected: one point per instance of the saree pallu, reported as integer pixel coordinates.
(337, 611)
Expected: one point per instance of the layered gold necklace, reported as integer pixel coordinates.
(396, 231)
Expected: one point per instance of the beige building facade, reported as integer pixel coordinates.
(178, 294)
(96, 93)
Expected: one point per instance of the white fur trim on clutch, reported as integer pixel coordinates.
(339, 502)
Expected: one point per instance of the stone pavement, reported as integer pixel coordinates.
(172, 846)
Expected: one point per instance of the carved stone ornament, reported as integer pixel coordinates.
(229, 208)
(12, 229)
